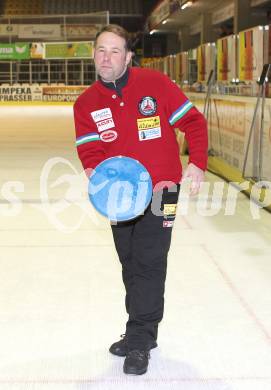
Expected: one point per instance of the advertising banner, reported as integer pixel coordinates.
(88, 31)
(251, 54)
(14, 51)
(210, 50)
(20, 94)
(37, 50)
(205, 60)
(68, 50)
(170, 66)
(226, 58)
(234, 124)
(182, 67)
(229, 133)
(8, 30)
(201, 60)
(62, 93)
(192, 54)
(46, 31)
(38, 93)
(229, 129)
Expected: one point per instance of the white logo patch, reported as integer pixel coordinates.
(101, 115)
(106, 124)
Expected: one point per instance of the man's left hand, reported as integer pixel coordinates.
(196, 175)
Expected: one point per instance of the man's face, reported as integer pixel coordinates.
(110, 56)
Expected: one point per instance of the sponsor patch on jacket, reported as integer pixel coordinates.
(168, 224)
(149, 128)
(101, 115)
(170, 209)
(147, 106)
(145, 135)
(108, 136)
(105, 124)
(148, 123)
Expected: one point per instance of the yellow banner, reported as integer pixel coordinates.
(222, 59)
(245, 55)
(251, 53)
(201, 63)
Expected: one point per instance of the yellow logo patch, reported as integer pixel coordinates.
(170, 209)
(148, 123)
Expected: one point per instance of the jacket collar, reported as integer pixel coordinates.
(118, 84)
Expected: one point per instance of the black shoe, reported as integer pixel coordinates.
(136, 362)
(120, 347)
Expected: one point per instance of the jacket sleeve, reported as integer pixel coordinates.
(88, 143)
(184, 116)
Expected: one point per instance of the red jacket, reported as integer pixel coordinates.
(140, 124)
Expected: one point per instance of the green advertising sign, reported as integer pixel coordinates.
(14, 51)
(66, 50)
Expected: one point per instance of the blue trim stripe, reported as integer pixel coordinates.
(180, 112)
(87, 138)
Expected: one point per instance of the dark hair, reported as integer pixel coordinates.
(118, 30)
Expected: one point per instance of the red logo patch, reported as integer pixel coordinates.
(108, 136)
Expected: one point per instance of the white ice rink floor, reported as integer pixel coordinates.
(61, 294)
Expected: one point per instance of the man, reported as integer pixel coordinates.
(133, 112)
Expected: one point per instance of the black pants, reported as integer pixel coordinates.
(142, 246)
